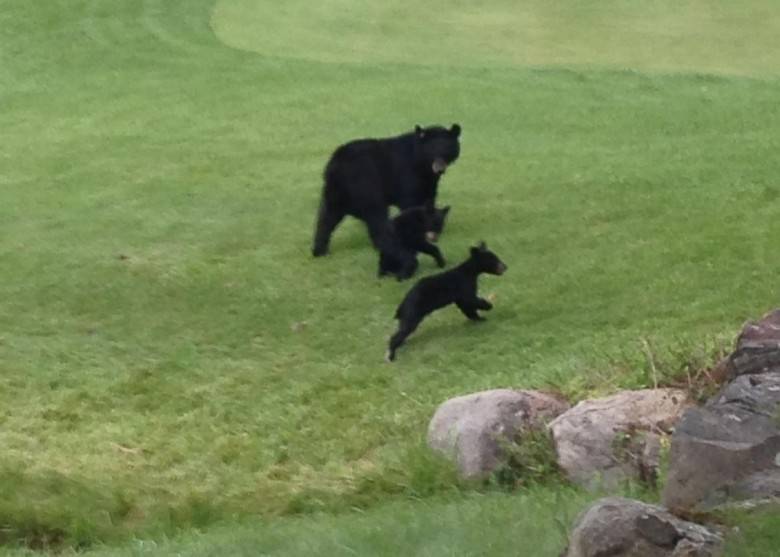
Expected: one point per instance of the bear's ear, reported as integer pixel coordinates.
(418, 131)
(455, 130)
(482, 246)
(445, 210)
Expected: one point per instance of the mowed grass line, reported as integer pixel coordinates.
(698, 36)
(171, 356)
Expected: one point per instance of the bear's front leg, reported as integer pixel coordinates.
(407, 272)
(433, 251)
(483, 304)
(469, 310)
(407, 267)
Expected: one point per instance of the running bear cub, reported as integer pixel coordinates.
(457, 286)
(412, 231)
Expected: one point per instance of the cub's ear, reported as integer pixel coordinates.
(455, 130)
(418, 131)
(479, 248)
(445, 209)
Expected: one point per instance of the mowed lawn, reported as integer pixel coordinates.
(171, 357)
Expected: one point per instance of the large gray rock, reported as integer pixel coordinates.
(474, 430)
(604, 441)
(617, 527)
(729, 449)
(758, 347)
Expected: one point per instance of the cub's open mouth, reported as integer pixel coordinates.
(439, 166)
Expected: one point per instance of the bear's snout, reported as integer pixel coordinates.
(439, 166)
(501, 269)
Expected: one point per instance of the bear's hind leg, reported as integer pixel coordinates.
(405, 328)
(328, 219)
(386, 265)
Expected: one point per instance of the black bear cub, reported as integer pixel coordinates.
(412, 231)
(457, 286)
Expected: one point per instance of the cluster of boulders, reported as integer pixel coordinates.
(724, 452)
(728, 450)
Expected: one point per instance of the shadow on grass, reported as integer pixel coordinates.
(50, 511)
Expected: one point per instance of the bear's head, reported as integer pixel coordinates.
(434, 221)
(486, 261)
(437, 147)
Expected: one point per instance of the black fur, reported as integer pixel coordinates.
(365, 177)
(412, 231)
(457, 286)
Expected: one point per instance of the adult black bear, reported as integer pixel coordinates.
(365, 177)
(412, 231)
(457, 286)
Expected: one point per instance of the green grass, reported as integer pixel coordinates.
(754, 534)
(172, 358)
(473, 525)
